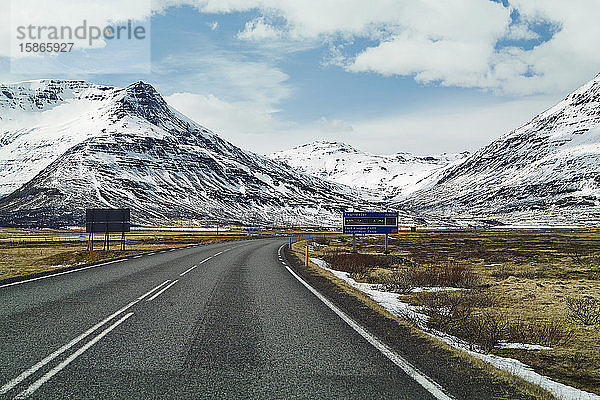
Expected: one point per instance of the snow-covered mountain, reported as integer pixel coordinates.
(547, 171)
(68, 145)
(397, 174)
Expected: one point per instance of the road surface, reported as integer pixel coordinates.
(226, 320)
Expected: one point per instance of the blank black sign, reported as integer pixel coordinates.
(98, 220)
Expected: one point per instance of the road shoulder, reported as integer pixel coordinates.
(460, 375)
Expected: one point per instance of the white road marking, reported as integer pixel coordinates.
(8, 386)
(150, 254)
(162, 251)
(36, 385)
(219, 253)
(172, 249)
(156, 288)
(59, 273)
(137, 256)
(185, 272)
(431, 386)
(205, 260)
(163, 290)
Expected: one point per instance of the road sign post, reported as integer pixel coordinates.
(370, 223)
(107, 220)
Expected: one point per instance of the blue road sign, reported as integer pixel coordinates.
(370, 222)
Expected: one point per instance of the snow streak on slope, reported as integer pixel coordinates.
(40, 120)
(398, 174)
(547, 171)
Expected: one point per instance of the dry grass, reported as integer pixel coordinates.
(543, 287)
(27, 251)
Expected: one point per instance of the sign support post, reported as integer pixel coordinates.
(354, 242)
(386, 245)
(107, 220)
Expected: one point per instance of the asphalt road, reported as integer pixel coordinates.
(226, 320)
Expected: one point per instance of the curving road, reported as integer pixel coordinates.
(227, 320)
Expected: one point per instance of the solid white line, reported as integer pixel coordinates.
(164, 289)
(156, 288)
(431, 386)
(36, 385)
(60, 273)
(8, 386)
(183, 273)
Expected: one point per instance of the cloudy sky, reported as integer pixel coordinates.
(423, 76)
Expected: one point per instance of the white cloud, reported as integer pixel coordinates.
(257, 29)
(230, 120)
(521, 32)
(452, 128)
(562, 63)
(450, 42)
(213, 25)
(226, 74)
(336, 125)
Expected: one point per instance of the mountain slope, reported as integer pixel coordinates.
(128, 148)
(395, 174)
(547, 171)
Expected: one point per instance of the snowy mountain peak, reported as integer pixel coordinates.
(39, 94)
(40, 120)
(326, 147)
(547, 170)
(385, 175)
(68, 145)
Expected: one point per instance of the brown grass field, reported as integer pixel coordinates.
(527, 286)
(28, 251)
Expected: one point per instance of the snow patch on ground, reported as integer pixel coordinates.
(523, 346)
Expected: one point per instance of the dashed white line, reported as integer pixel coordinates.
(156, 288)
(46, 377)
(163, 290)
(188, 270)
(137, 256)
(431, 386)
(217, 254)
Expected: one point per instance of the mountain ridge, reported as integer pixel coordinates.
(384, 175)
(546, 171)
(128, 147)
